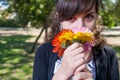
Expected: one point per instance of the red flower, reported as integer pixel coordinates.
(57, 43)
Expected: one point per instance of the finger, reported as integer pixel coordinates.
(83, 75)
(86, 69)
(80, 68)
(73, 46)
(79, 56)
(77, 51)
(74, 78)
(78, 63)
(89, 79)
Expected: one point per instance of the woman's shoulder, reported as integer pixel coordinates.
(105, 49)
(44, 52)
(45, 46)
(108, 50)
(44, 49)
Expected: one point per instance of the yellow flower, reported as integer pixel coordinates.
(86, 36)
(67, 35)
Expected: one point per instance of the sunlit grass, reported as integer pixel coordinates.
(3, 42)
(15, 60)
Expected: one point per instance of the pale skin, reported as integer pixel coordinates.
(74, 59)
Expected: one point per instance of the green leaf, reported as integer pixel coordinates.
(66, 44)
(76, 40)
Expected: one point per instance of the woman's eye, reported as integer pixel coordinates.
(89, 18)
(72, 19)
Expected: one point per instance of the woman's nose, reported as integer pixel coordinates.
(79, 23)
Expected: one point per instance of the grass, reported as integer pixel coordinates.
(15, 61)
(117, 49)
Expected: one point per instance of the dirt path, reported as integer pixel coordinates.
(35, 32)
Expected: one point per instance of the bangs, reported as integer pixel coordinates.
(69, 8)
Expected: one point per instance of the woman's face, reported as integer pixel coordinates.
(81, 20)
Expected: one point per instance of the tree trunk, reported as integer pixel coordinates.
(34, 45)
(46, 32)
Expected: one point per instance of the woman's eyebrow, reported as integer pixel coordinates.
(90, 13)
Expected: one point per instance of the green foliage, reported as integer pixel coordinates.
(35, 11)
(108, 20)
(110, 13)
(116, 12)
(106, 13)
(38, 11)
(9, 23)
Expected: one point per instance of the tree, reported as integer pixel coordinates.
(116, 12)
(108, 8)
(34, 11)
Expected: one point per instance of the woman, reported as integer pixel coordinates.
(100, 63)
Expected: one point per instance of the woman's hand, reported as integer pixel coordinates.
(83, 76)
(82, 73)
(73, 58)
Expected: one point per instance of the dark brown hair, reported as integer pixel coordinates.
(66, 9)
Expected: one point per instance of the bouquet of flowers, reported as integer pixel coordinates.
(67, 37)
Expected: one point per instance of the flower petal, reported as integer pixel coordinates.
(56, 49)
(60, 52)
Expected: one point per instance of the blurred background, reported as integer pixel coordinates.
(23, 25)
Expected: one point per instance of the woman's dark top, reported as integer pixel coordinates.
(105, 62)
